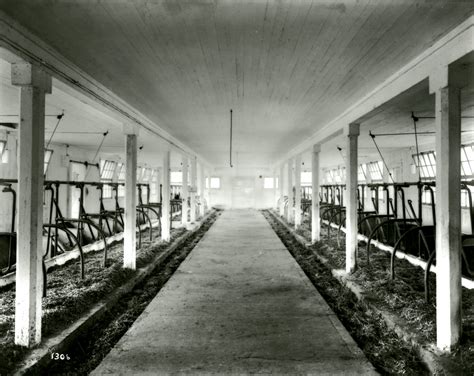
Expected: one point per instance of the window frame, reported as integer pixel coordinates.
(467, 163)
(427, 167)
(268, 186)
(147, 175)
(173, 175)
(375, 167)
(110, 167)
(213, 178)
(305, 182)
(3, 147)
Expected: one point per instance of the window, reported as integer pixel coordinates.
(215, 183)
(426, 164)
(3, 148)
(362, 173)
(467, 161)
(268, 183)
(107, 170)
(176, 177)
(146, 176)
(207, 183)
(47, 158)
(376, 171)
(306, 178)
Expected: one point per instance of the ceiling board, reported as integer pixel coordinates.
(286, 68)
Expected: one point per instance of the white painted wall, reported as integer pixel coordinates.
(242, 188)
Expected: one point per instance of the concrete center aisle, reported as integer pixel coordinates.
(239, 304)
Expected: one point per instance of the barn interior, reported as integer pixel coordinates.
(123, 118)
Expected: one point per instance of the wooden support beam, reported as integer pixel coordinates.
(34, 84)
(315, 220)
(275, 189)
(448, 217)
(208, 189)
(289, 214)
(184, 191)
(297, 191)
(156, 182)
(193, 189)
(129, 236)
(282, 190)
(202, 184)
(352, 132)
(165, 205)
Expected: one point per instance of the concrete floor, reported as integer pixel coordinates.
(239, 304)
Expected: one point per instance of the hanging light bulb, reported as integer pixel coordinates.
(6, 152)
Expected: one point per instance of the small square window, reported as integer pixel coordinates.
(268, 183)
(306, 177)
(176, 178)
(147, 174)
(215, 183)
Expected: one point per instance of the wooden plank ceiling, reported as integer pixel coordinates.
(285, 67)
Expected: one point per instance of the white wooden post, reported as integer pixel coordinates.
(34, 84)
(282, 190)
(130, 228)
(315, 219)
(289, 214)
(352, 132)
(297, 191)
(201, 180)
(184, 192)
(209, 196)
(448, 212)
(157, 183)
(193, 189)
(165, 204)
(275, 190)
